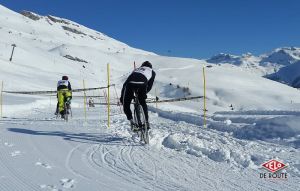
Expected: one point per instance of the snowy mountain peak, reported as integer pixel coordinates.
(224, 58)
(246, 60)
(247, 55)
(282, 56)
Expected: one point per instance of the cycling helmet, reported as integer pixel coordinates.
(65, 78)
(147, 64)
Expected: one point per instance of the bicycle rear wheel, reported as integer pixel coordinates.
(140, 120)
(66, 115)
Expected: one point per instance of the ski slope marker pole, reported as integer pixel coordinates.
(204, 100)
(155, 98)
(1, 97)
(108, 98)
(84, 100)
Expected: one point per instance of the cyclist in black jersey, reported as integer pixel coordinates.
(141, 80)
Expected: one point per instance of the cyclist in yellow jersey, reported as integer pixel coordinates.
(64, 95)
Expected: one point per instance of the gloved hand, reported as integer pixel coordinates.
(144, 96)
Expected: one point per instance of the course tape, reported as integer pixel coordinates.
(174, 100)
(160, 101)
(49, 92)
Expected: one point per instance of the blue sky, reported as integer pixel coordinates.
(184, 28)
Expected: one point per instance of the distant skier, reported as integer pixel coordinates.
(141, 80)
(91, 102)
(64, 95)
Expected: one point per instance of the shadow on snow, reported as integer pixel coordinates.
(95, 138)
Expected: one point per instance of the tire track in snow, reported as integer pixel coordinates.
(68, 163)
(125, 163)
(108, 158)
(110, 167)
(92, 175)
(91, 165)
(149, 171)
(143, 172)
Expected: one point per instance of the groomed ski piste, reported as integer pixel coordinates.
(40, 152)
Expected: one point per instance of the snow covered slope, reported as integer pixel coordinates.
(289, 75)
(43, 47)
(48, 47)
(40, 152)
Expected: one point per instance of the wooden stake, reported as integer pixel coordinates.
(108, 98)
(155, 98)
(1, 99)
(204, 100)
(84, 101)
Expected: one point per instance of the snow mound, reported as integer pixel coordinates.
(222, 149)
(284, 130)
(280, 127)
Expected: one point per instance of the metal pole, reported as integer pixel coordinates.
(84, 100)
(108, 98)
(12, 52)
(155, 98)
(204, 100)
(1, 98)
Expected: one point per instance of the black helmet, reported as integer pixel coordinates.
(147, 64)
(65, 78)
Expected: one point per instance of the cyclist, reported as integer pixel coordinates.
(64, 95)
(141, 80)
(91, 102)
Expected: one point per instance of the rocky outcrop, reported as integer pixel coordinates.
(75, 58)
(56, 20)
(31, 15)
(72, 30)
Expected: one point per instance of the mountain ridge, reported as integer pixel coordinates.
(45, 52)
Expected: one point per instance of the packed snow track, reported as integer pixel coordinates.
(39, 152)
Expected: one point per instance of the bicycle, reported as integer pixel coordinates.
(67, 107)
(67, 110)
(140, 120)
